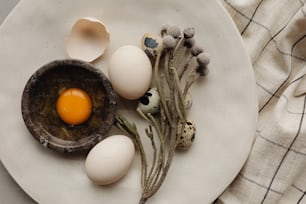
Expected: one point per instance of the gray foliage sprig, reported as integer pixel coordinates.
(176, 67)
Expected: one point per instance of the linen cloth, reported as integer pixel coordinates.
(274, 34)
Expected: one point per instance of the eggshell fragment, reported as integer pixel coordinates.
(109, 160)
(87, 40)
(130, 72)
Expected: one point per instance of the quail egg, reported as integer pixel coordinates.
(187, 135)
(151, 44)
(149, 102)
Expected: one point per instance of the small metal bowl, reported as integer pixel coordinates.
(39, 98)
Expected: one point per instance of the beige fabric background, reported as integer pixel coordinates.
(274, 33)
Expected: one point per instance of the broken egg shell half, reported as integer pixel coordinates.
(87, 40)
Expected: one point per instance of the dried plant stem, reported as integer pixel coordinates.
(182, 70)
(180, 58)
(153, 166)
(159, 86)
(131, 130)
(172, 82)
(167, 73)
(189, 81)
(146, 195)
(179, 100)
(160, 166)
(178, 45)
(161, 155)
(163, 162)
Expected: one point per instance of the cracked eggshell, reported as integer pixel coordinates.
(87, 40)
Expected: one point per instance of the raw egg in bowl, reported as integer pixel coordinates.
(68, 105)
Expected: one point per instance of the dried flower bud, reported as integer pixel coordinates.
(189, 43)
(169, 42)
(196, 50)
(202, 70)
(203, 59)
(174, 31)
(164, 29)
(189, 32)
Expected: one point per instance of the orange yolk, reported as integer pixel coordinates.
(74, 106)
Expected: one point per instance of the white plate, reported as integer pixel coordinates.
(225, 104)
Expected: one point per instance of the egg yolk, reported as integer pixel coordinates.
(74, 106)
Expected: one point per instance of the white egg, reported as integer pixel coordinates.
(130, 72)
(110, 159)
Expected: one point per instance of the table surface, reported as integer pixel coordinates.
(10, 192)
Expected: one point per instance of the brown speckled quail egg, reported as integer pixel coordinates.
(87, 40)
(187, 137)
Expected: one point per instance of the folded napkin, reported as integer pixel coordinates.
(274, 34)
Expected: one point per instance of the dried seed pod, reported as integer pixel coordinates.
(189, 32)
(174, 31)
(189, 43)
(164, 29)
(203, 59)
(169, 42)
(196, 50)
(202, 70)
(151, 44)
(149, 103)
(187, 136)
